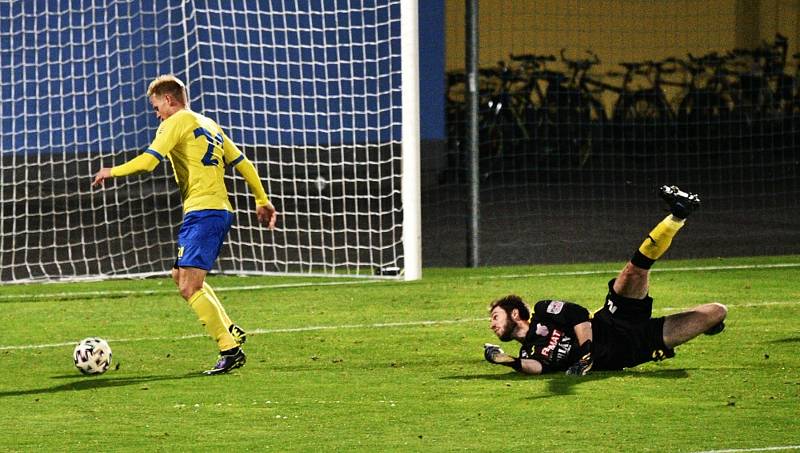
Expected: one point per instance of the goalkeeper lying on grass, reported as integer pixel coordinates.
(561, 336)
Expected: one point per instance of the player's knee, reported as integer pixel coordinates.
(188, 289)
(717, 312)
(188, 284)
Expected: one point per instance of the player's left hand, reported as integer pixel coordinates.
(101, 176)
(584, 364)
(267, 215)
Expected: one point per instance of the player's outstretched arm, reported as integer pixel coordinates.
(143, 163)
(493, 354)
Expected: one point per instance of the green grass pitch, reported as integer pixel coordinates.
(394, 366)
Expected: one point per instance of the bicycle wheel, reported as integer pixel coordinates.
(644, 105)
(703, 106)
(570, 121)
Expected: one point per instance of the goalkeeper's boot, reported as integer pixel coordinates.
(681, 203)
(717, 328)
(239, 335)
(228, 360)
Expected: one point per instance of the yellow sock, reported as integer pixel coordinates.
(659, 240)
(213, 296)
(211, 317)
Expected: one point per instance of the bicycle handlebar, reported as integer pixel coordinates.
(580, 64)
(532, 58)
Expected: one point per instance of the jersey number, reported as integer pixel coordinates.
(212, 140)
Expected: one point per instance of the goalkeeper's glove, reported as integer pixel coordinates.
(494, 354)
(491, 351)
(584, 364)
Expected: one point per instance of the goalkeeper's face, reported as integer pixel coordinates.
(502, 324)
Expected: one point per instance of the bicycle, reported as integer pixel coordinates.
(567, 116)
(647, 104)
(710, 93)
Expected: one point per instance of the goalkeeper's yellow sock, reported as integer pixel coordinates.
(657, 242)
(213, 296)
(211, 317)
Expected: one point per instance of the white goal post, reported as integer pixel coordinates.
(322, 95)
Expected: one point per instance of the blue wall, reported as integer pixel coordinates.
(73, 74)
(431, 69)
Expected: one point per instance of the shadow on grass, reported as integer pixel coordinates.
(512, 376)
(80, 297)
(786, 340)
(558, 384)
(95, 382)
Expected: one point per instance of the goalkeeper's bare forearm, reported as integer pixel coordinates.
(583, 333)
(493, 354)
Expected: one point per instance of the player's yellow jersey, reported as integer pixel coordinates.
(199, 151)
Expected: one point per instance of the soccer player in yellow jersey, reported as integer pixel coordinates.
(199, 151)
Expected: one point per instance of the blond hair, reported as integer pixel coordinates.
(168, 84)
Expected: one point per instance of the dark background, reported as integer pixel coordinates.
(546, 210)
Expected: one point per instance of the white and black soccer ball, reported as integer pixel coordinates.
(92, 356)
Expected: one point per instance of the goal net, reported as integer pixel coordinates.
(309, 90)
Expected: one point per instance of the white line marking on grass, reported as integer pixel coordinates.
(146, 292)
(750, 305)
(656, 270)
(344, 326)
(258, 331)
(738, 450)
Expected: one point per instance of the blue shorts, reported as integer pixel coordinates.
(201, 236)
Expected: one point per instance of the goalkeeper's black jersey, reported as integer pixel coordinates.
(626, 337)
(550, 342)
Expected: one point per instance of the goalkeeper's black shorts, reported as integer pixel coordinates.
(625, 334)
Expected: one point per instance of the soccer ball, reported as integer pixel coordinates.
(92, 356)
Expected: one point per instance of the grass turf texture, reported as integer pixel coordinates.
(376, 376)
